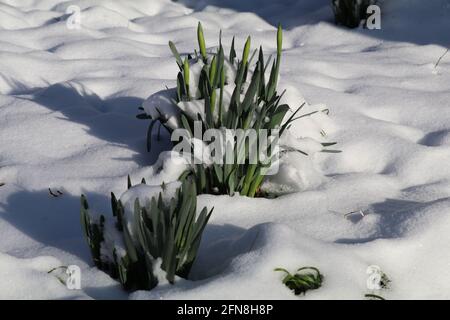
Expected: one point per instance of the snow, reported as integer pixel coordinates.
(144, 193)
(68, 101)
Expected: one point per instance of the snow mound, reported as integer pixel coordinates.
(68, 101)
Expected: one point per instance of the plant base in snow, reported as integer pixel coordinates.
(302, 282)
(162, 232)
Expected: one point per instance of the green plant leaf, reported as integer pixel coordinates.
(201, 41)
(176, 54)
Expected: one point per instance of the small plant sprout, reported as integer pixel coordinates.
(175, 53)
(246, 53)
(304, 281)
(273, 80)
(201, 42)
(186, 77)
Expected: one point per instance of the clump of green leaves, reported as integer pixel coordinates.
(254, 106)
(300, 282)
(260, 102)
(168, 233)
(350, 13)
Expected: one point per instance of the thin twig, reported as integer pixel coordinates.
(361, 212)
(56, 268)
(441, 57)
(53, 194)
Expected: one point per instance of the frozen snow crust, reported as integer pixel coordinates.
(68, 100)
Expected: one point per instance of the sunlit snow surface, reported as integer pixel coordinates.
(68, 100)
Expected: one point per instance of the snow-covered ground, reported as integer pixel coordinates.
(68, 100)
